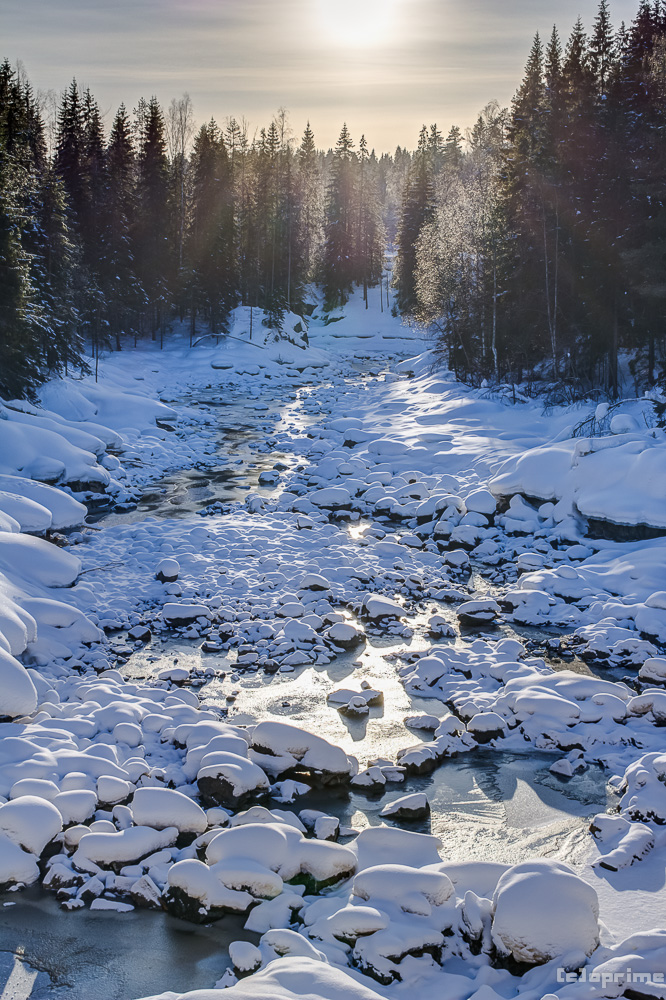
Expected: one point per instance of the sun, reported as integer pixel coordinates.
(358, 24)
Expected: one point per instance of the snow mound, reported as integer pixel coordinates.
(542, 910)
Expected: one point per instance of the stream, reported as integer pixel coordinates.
(486, 805)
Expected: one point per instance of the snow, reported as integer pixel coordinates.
(414, 806)
(534, 933)
(30, 822)
(440, 517)
(16, 866)
(279, 747)
(161, 808)
(38, 562)
(18, 695)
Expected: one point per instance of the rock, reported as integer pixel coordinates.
(287, 751)
(145, 894)
(313, 581)
(140, 633)
(478, 612)
(370, 780)
(376, 607)
(323, 826)
(231, 781)
(30, 823)
(245, 957)
(653, 670)
(486, 726)
(356, 706)
(163, 807)
(481, 502)
(344, 634)
(167, 571)
(112, 790)
(17, 867)
(427, 722)
(408, 807)
(19, 696)
(342, 696)
(181, 614)
(331, 498)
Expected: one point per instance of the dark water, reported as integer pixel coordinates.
(104, 955)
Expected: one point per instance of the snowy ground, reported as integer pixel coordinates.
(330, 590)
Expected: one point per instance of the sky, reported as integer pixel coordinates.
(384, 67)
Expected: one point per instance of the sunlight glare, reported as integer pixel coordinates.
(358, 24)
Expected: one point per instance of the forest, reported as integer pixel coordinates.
(533, 246)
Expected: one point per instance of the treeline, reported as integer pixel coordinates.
(109, 239)
(534, 246)
(539, 250)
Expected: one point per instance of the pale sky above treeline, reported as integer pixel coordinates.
(383, 66)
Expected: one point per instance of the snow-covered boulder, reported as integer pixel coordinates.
(653, 670)
(194, 892)
(542, 910)
(478, 612)
(167, 570)
(124, 847)
(230, 780)
(65, 511)
(182, 614)
(30, 822)
(331, 498)
(622, 843)
(292, 977)
(408, 807)
(37, 561)
(18, 695)
(282, 749)
(481, 502)
(644, 789)
(164, 807)
(486, 726)
(345, 634)
(17, 867)
(375, 607)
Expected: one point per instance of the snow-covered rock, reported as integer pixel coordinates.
(541, 911)
(164, 807)
(408, 807)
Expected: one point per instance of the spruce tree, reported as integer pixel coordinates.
(338, 270)
(153, 252)
(417, 207)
